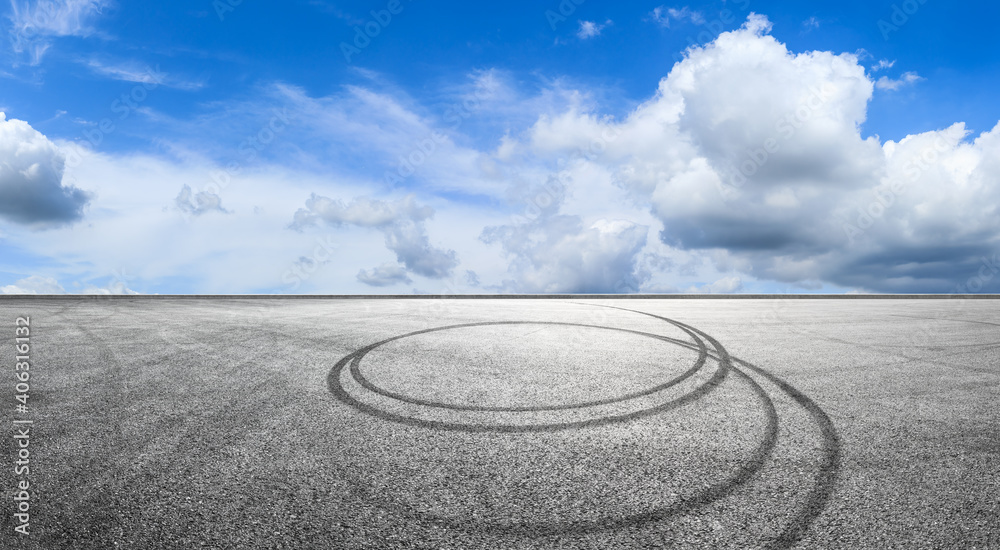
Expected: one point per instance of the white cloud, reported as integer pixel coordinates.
(34, 24)
(810, 24)
(134, 71)
(662, 15)
(35, 284)
(553, 252)
(726, 285)
(332, 9)
(384, 275)
(590, 29)
(115, 288)
(747, 164)
(907, 78)
(31, 179)
(752, 156)
(401, 221)
(361, 211)
(38, 284)
(883, 64)
(199, 203)
(144, 234)
(414, 147)
(559, 254)
(251, 249)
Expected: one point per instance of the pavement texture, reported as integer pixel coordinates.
(496, 424)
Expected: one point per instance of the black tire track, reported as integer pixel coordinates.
(825, 480)
(796, 527)
(744, 473)
(367, 384)
(335, 386)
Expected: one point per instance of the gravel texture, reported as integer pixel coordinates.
(349, 424)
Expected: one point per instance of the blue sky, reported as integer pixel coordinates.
(406, 146)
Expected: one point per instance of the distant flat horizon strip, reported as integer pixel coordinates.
(505, 296)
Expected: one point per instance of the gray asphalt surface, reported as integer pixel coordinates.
(510, 423)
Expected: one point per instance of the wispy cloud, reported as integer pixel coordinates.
(134, 71)
(590, 29)
(662, 15)
(908, 78)
(883, 64)
(332, 9)
(810, 24)
(33, 25)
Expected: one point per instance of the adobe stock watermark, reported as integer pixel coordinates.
(24, 498)
(222, 7)
(886, 197)
(976, 283)
(785, 129)
(900, 16)
(424, 149)
(562, 12)
(364, 34)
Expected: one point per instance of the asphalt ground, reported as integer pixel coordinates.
(269, 423)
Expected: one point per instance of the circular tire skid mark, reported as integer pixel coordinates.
(748, 467)
(353, 361)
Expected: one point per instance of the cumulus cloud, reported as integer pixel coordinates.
(749, 163)
(750, 124)
(907, 78)
(549, 251)
(590, 29)
(401, 221)
(31, 174)
(384, 275)
(776, 135)
(753, 156)
(196, 204)
(34, 24)
(561, 255)
(408, 239)
(35, 284)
